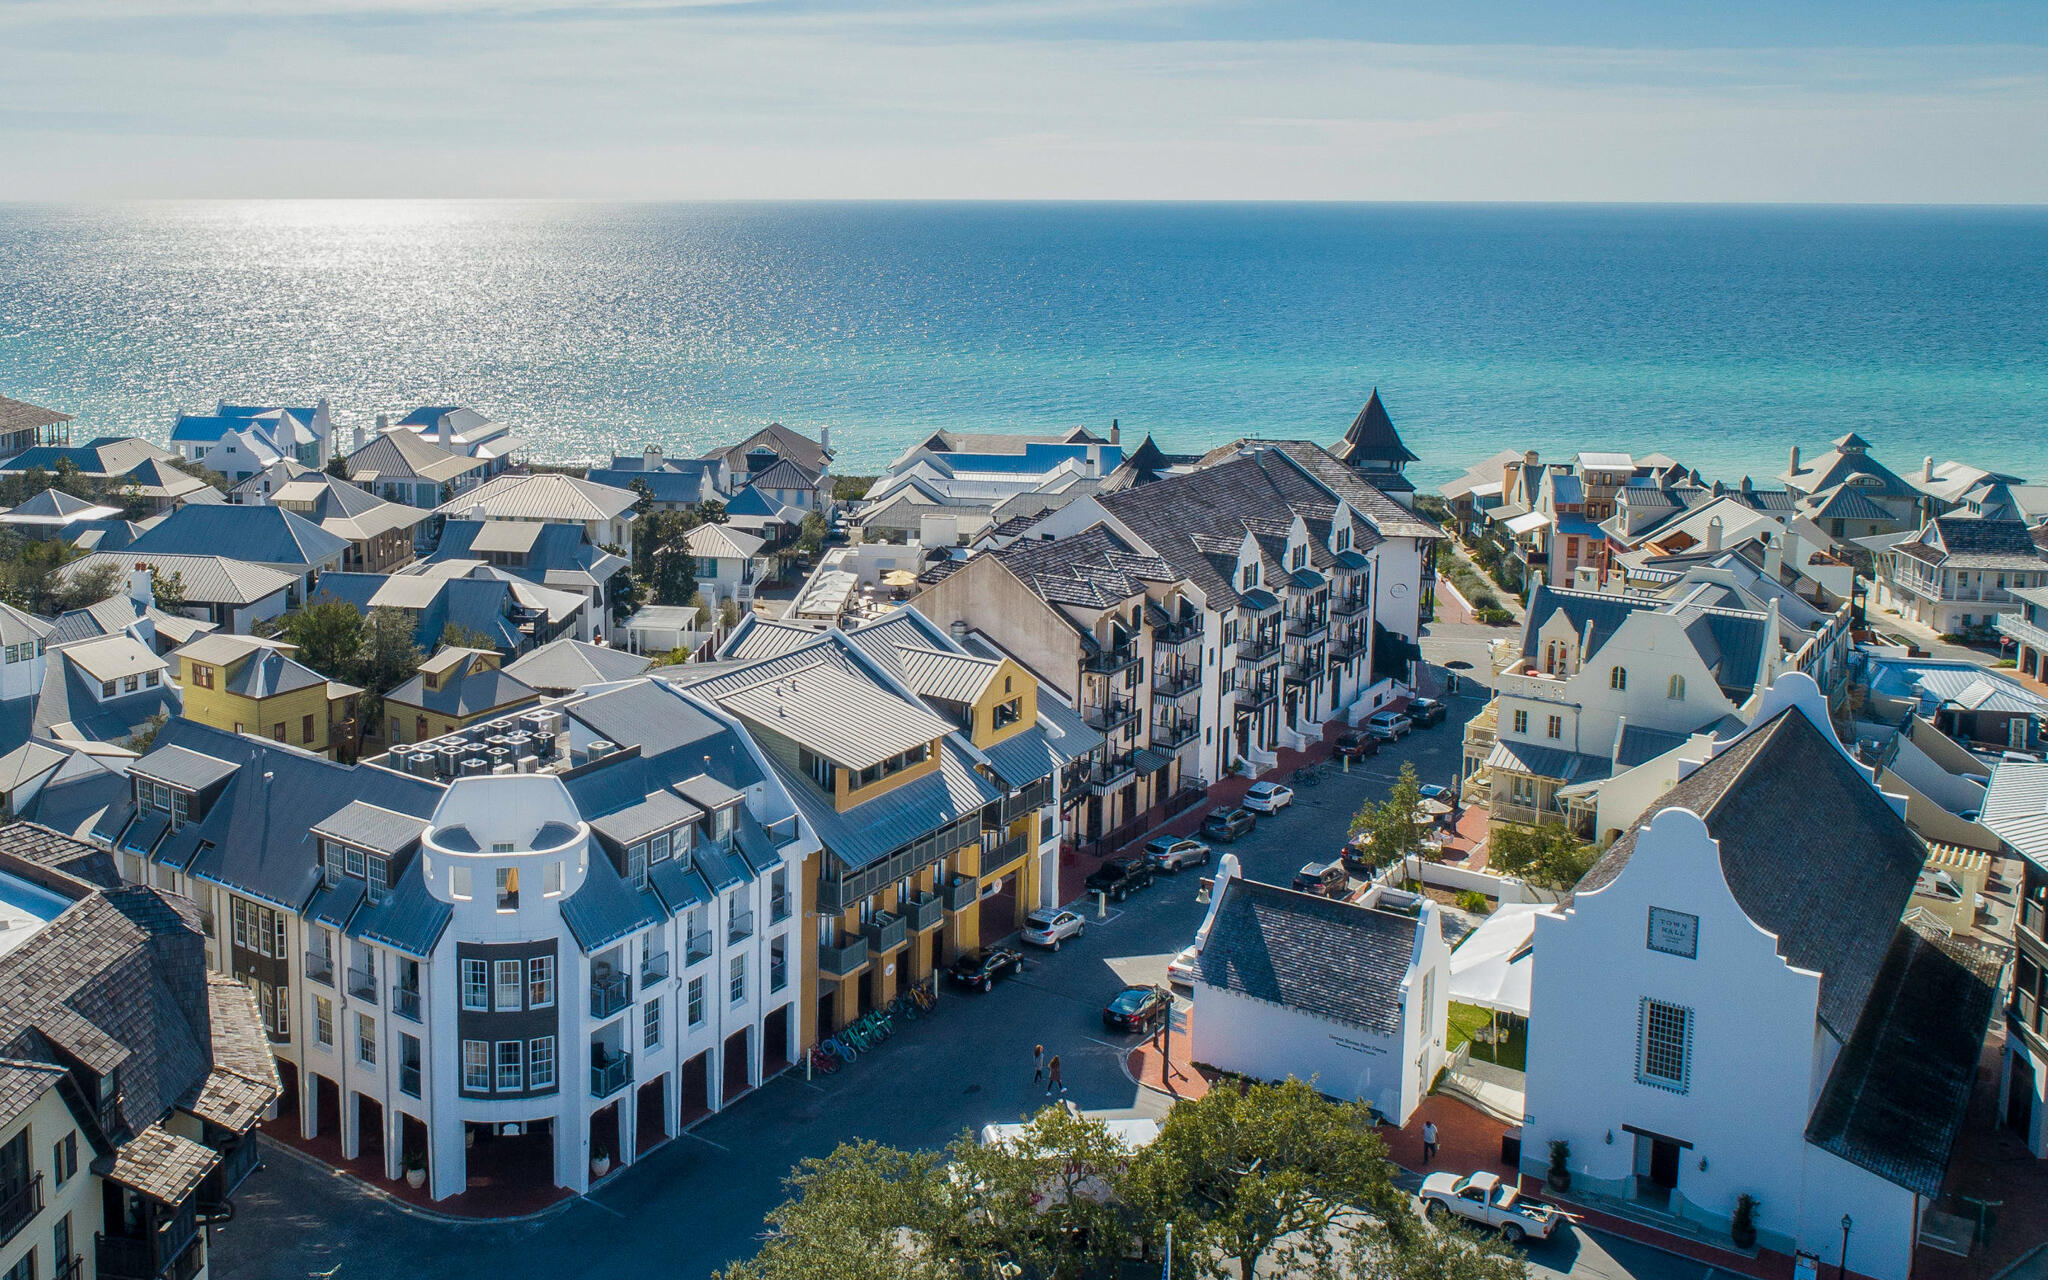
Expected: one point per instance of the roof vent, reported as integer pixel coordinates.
(599, 749)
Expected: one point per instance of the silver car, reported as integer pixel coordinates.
(1171, 853)
(1050, 926)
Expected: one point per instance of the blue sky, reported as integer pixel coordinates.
(1806, 100)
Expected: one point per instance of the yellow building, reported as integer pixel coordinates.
(249, 685)
(931, 775)
(453, 690)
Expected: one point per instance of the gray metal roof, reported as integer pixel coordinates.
(258, 535)
(410, 918)
(178, 767)
(825, 707)
(564, 665)
(369, 826)
(544, 495)
(951, 677)
(660, 811)
(208, 579)
(1303, 951)
(606, 908)
(2016, 808)
(1547, 762)
(707, 792)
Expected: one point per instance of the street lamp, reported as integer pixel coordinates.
(1842, 1271)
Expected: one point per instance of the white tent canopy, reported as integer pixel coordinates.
(1491, 967)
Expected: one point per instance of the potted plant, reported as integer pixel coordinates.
(1743, 1225)
(415, 1169)
(1560, 1176)
(600, 1160)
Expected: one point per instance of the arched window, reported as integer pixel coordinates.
(1618, 678)
(1677, 691)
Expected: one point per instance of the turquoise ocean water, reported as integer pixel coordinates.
(1719, 335)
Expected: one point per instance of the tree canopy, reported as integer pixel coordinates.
(1549, 856)
(1396, 825)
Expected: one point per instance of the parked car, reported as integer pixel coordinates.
(980, 969)
(1426, 713)
(1180, 971)
(1171, 853)
(1138, 1009)
(1388, 726)
(1432, 791)
(1357, 858)
(1328, 879)
(1120, 877)
(1356, 746)
(1268, 797)
(1228, 824)
(1050, 926)
(1487, 1202)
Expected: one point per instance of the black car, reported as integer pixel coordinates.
(1138, 1009)
(1356, 746)
(1228, 824)
(1326, 879)
(980, 969)
(1357, 860)
(1425, 713)
(1120, 877)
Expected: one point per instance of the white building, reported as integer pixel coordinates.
(541, 944)
(1730, 1005)
(1351, 997)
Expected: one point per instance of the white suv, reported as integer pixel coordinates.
(1171, 853)
(1050, 926)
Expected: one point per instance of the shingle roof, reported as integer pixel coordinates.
(159, 1164)
(20, 415)
(1371, 437)
(789, 444)
(1833, 893)
(1979, 543)
(1333, 959)
(33, 842)
(1895, 1100)
(1605, 612)
(244, 1080)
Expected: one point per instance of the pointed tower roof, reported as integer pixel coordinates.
(1372, 438)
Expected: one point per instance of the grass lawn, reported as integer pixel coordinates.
(1464, 1019)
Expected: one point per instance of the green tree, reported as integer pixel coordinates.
(1051, 1198)
(337, 466)
(86, 587)
(644, 503)
(712, 512)
(1272, 1171)
(1549, 856)
(387, 658)
(1451, 1253)
(167, 588)
(810, 537)
(329, 635)
(203, 472)
(456, 636)
(675, 577)
(728, 614)
(865, 1212)
(142, 739)
(1396, 825)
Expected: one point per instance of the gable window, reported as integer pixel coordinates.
(1665, 1045)
(1251, 575)
(1618, 678)
(1676, 691)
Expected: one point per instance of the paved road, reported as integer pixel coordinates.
(698, 1201)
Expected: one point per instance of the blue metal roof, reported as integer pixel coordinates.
(606, 908)
(263, 535)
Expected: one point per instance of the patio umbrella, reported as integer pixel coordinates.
(899, 578)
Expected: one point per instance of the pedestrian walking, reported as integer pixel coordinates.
(1053, 1083)
(1037, 1063)
(1428, 1141)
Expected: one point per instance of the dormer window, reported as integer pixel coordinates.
(658, 847)
(1301, 556)
(822, 771)
(1251, 575)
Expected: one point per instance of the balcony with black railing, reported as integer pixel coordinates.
(71, 1268)
(1175, 731)
(1257, 648)
(609, 993)
(1176, 681)
(167, 1247)
(1177, 633)
(1107, 662)
(1111, 772)
(1256, 697)
(19, 1204)
(1111, 714)
(1348, 605)
(1307, 628)
(610, 1076)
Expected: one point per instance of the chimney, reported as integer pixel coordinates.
(1094, 459)
(1794, 468)
(441, 431)
(1773, 651)
(1747, 485)
(1926, 469)
(142, 585)
(1774, 557)
(359, 437)
(825, 437)
(1714, 534)
(650, 458)
(1115, 435)
(383, 423)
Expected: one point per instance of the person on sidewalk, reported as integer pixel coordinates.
(1037, 1063)
(1428, 1141)
(1053, 1083)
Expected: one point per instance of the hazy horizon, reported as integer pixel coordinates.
(1485, 101)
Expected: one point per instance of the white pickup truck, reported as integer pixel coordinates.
(1488, 1203)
